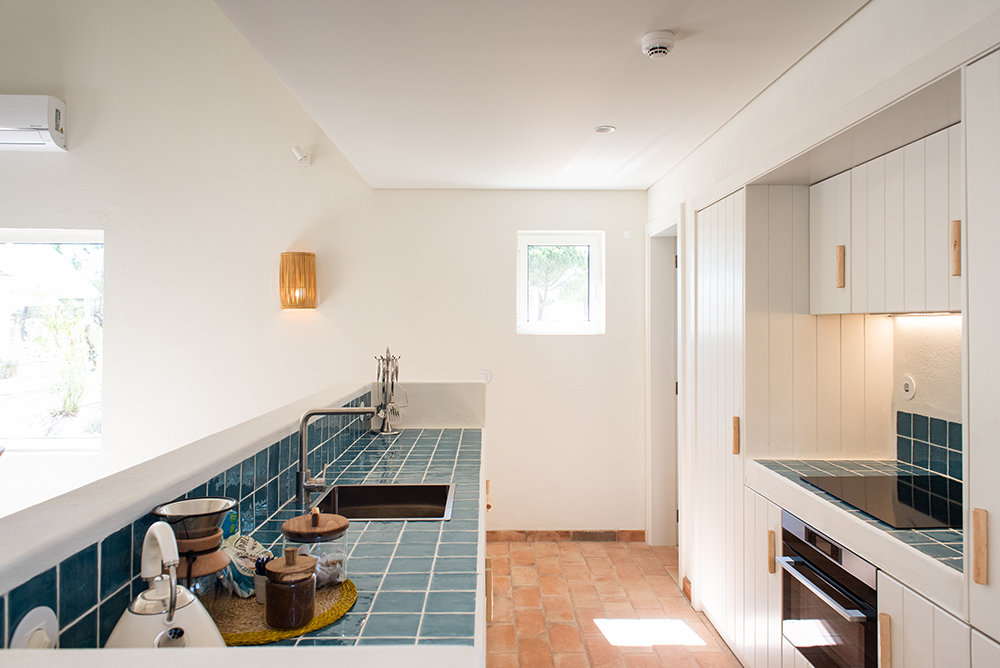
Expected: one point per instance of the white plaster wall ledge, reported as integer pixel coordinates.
(411, 656)
(38, 538)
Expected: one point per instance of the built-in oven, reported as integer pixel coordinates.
(829, 602)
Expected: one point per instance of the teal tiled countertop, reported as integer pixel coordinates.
(416, 581)
(943, 545)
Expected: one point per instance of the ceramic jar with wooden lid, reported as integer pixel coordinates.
(322, 536)
(291, 591)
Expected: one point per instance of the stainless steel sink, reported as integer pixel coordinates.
(389, 502)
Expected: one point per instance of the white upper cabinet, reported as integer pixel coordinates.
(892, 216)
(982, 460)
(829, 243)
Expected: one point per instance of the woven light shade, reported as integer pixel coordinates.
(297, 280)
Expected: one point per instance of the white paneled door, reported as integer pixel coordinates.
(982, 460)
(718, 510)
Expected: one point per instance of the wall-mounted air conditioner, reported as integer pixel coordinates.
(32, 123)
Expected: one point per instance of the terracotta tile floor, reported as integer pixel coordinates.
(547, 595)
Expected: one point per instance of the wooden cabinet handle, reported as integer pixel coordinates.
(770, 552)
(884, 640)
(841, 266)
(956, 248)
(489, 590)
(489, 501)
(736, 435)
(980, 547)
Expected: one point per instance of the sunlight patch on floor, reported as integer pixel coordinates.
(647, 632)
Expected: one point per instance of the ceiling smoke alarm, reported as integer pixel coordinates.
(658, 44)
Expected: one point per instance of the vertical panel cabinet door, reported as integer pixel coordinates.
(985, 652)
(830, 245)
(922, 635)
(718, 497)
(898, 224)
(982, 136)
(762, 618)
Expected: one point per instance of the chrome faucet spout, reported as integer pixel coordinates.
(303, 483)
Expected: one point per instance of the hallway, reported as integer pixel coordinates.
(548, 594)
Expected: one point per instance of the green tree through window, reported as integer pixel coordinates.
(558, 280)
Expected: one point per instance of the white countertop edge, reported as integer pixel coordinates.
(941, 584)
(38, 538)
(411, 656)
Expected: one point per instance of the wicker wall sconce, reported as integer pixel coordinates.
(297, 280)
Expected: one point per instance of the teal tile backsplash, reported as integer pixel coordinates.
(90, 590)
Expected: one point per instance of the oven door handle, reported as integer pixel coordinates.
(790, 565)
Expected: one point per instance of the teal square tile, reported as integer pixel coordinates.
(939, 432)
(248, 477)
(955, 436)
(399, 601)
(904, 424)
(454, 582)
(406, 582)
(447, 641)
(459, 536)
(233, 482)
(364, 581)
(448, 626)
(39, 590)
(921, 427)
(451, 601)
(368, 564)
(416, 550)
(273, 465)
(116, 561)
(363, 601)
(217, 485)
(455, 565)
(411, 565)
(392, 625)
(373, 550)
(386, 641)
(410, 537)
(78, 584)
(348, 626)
(110, 612)
(82, 635)
(260, 468)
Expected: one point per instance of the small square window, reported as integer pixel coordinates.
(560, 282)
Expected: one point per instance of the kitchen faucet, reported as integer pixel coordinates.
(303, 483)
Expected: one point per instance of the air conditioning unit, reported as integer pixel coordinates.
(32, 123)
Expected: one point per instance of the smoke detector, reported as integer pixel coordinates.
(658, 44)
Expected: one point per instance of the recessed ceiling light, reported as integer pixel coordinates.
(604, 129)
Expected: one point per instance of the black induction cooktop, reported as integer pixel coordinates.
(902, 501)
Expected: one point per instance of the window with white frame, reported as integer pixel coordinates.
(51, 347)
(560, 282)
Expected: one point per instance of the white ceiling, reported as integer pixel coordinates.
(505, 94)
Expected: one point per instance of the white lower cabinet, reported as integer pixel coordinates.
(790, 657)
(922, 635)
(985, 651)
(761, 582)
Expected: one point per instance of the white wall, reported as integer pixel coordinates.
(818, 387)
(180, 150)
(929, 349)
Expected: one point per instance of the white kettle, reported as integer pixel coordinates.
(166, 614)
